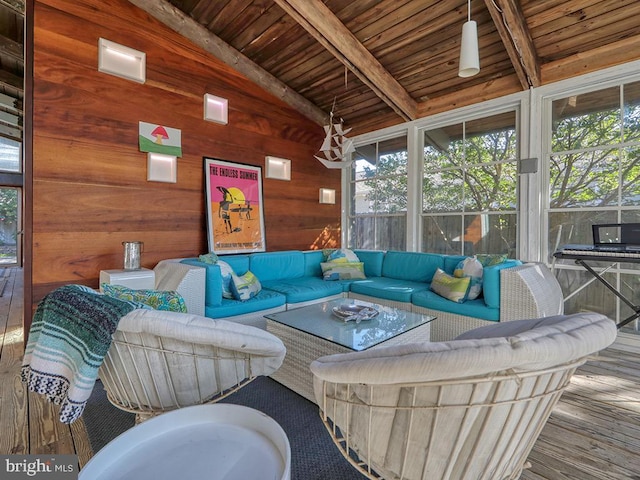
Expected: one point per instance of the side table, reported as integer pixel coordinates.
(142, 278)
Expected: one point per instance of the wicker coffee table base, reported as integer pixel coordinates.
(303, 348)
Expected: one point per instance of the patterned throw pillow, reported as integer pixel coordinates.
(210, 258)
(449, 287)
(326, 252)
(245, 286)
(343, 255)
(156, 299)
(342, 270)
(488, 260)
(472, 268)
(227, 272)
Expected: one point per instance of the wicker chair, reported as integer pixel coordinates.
(159, 361)
(470, 408)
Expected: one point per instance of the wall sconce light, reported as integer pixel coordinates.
(216, 109)
(162, 168)
(327, 195)
(278, 168)
(121, 61)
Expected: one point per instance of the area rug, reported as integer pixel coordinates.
(313, 454)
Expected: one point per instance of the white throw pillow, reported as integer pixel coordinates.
(226, 271)
(471, 267)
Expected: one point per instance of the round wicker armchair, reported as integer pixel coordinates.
(159, 361)
(470, 408)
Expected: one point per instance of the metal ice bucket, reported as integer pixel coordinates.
(132, 253)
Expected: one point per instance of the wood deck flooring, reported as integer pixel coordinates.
(593, 433)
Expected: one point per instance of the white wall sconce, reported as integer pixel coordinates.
(121, 61)
(278, 168)
(327, 195)
(216, 109)
(162, 168)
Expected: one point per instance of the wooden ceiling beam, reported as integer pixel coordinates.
(175, 19)
(316, 18)
(516, 37)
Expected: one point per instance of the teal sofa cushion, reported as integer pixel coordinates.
(239, 263)
(312, 261)
(213, 281)
(303, 289)
(471, 308)
(372, 260)
(491, 282)
(213, 276)
(264, 300)
(413, 266)
(451, 262)
(277, 265)
(388, 288)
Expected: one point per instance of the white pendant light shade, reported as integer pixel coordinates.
(469, 56)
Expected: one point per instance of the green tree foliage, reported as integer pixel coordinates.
(386, 182)
(589, 168)
(478, 174)
(8, 204)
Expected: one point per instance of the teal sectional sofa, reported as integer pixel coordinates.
(289, 279)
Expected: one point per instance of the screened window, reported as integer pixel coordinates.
(9, 155)
(469, 188)
(594, 177)
(378, 210)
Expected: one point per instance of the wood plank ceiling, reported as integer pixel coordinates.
(375, 63)
(381, 62)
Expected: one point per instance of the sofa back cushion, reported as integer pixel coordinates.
(414, 266)
(278, 265)
(238, 263)
(213, 275)
(491, 282)
(372, 260)
(213, 281)
(312, 261)
(451, 262)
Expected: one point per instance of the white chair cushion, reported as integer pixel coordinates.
(195, 329)
(521, 346)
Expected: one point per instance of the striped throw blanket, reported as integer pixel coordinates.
(69, 337)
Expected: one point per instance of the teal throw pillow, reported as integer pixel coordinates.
(472, 268)
(450, 287)
(342, 270)
(489, 260)
(227, 272)
(156, 299)
(245, 286)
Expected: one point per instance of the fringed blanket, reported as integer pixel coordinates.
(69, 337)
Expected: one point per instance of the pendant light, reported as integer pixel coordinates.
(469, 56)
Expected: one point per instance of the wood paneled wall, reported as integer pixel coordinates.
(89, 190)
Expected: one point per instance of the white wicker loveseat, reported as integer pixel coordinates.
(466, 409)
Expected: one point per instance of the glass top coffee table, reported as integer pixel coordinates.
(316, 330)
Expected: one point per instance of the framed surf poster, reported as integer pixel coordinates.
(235, 216)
